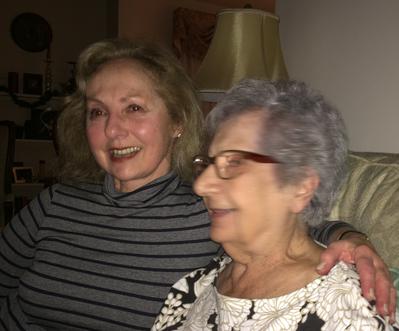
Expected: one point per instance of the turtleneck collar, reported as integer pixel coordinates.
(143, 196)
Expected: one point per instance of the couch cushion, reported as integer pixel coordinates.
(370, 201)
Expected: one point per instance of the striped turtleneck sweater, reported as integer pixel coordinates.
(87, 257)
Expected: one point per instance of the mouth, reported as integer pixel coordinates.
(217, 212)
(124, 152)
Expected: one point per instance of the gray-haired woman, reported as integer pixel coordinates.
(276, 159)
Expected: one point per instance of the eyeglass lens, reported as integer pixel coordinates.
(228, 163)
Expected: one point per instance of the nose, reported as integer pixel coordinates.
(116, 126)
(208, 182)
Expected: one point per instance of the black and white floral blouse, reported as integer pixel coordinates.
(331, 302)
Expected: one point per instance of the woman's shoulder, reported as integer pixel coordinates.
(203, 277)
(190, 286)
(62, 192)
(185, 292)
(76, 189)
(339, 300)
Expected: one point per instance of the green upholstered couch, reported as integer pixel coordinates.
(370, 201)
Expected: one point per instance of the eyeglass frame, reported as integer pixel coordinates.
(206, 161)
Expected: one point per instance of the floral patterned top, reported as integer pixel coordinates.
(331, 302)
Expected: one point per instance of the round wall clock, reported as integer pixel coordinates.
(31, 32)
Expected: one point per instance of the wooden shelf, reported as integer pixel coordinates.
(13, 112)
(31, 151)
(33, 141)
(28, 96)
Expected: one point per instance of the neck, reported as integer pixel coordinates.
(277, 262)
(288, 243)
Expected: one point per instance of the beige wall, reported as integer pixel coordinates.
(349, 50)
(75, 24)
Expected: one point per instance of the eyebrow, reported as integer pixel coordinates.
(88, 98)
(122, 99)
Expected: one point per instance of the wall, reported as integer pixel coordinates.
(153, 19)
(349, 50)
(74, 24)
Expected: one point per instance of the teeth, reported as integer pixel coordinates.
(125, 151)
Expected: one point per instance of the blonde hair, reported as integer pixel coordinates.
(172, 84)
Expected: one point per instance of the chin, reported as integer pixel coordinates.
(128, 172)
(219, 235)
(124, 178)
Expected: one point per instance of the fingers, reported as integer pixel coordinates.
(375, 281)
(328, 258)
(367, 273)
(337, 251)
(382, 293)
(392, 305)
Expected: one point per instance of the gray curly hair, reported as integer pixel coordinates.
(301, 130)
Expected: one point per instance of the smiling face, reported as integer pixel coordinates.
(128, 127)
(246, 208)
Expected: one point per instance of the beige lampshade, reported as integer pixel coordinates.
(246, 44)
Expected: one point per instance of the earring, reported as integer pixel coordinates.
(179, 135)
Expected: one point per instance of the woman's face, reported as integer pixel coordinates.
(246, 208)
(127, 124)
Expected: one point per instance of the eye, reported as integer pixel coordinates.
(134, 108)
(93, 113)
(234, 160)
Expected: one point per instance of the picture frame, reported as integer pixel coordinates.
(32, 84)
(22, 174)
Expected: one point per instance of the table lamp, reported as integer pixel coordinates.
(246, 44)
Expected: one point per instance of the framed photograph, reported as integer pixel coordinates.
(22, 174)
(32, 84)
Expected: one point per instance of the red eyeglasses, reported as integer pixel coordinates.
(229, 163)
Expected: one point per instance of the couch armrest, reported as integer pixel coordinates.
(369, 200)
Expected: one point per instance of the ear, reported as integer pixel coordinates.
(304, 191)
(177, 131)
